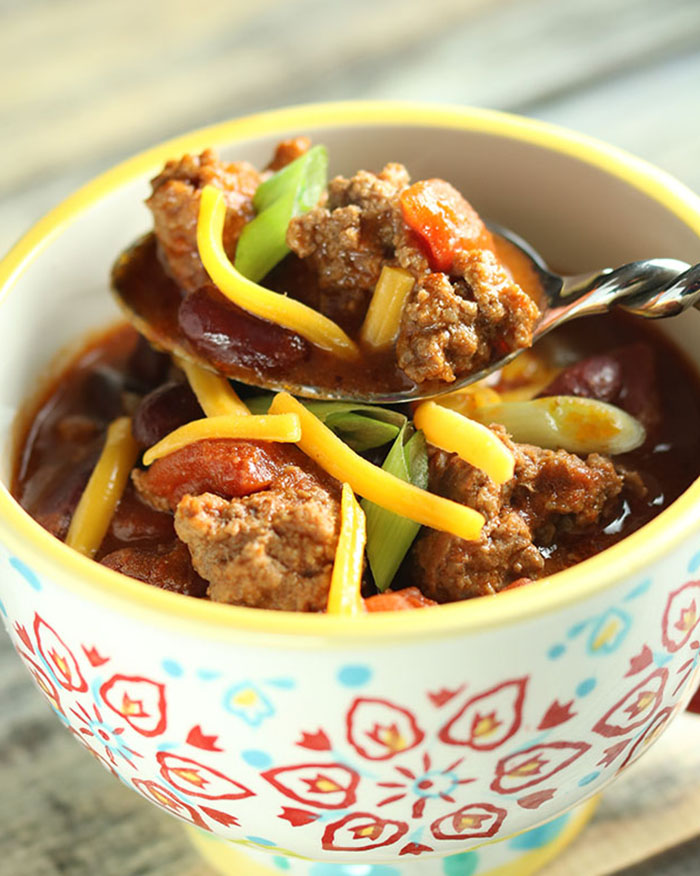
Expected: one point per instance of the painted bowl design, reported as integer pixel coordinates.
(389, 739)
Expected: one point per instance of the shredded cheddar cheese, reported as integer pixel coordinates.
(381, 323)
(473, 442)
(101, 496)
(344, 596)
(261, 302)
(283, 428)
(380, 487)
(215, 394)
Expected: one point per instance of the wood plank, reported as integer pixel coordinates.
(652, 113)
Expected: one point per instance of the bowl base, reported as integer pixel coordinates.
(522, 855)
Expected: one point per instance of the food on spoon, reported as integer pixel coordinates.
(370, 286)
(248, 498)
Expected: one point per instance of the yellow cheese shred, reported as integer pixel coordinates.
(101, 496)
(283, 428)
(261, 302)
(474, 443)
(215, 394)
(344, 596)
(380, 487)
(381, 323)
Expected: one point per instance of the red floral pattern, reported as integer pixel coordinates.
(139, 701)
(535, 764)
(197, 780)
(378, 755)
(635, 708)
(361, 831)
(58, 656)
(477, 820)
(488, 719)
(379, 730)
(325, 785)
(681, 616)
(165, 798)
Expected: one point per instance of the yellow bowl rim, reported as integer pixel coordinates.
(23, 536)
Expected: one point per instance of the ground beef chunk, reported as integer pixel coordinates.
(453, 326)
(288, 151)
(274, 549)
(551, 490)
(348, 241)
(167, 566)
(175, 207)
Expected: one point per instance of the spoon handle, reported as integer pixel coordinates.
(671, 299)
(652, 288)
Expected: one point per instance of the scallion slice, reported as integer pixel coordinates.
(389, 536)
(362, 427)
(291, 191)
(573, 423)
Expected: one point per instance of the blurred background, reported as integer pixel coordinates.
(86, 83)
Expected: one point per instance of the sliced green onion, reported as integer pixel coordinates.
(291, 191)
(360, 431)
(389, 536)
(579, 425)
(362, 427)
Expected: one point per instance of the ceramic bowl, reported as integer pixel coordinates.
(373, 745)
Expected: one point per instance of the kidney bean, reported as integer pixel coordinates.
(135, 521)
(225, 335)
(53, 491)
(146, 368)
(167, 566)
(102, 391)
(163, 410)
(625, 377)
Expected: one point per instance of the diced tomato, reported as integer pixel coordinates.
(398, 600)
(519, 582)
(444, 220)
(222, 466)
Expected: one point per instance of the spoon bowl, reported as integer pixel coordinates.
(651, 288)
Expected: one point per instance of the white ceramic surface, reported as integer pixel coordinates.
(384, 738)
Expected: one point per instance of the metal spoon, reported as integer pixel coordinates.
(652, 288)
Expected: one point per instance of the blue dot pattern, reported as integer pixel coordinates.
(256, 758)
(261, 841)
(173, 668)
(556, 651)
(586, 780)
(464, 864)
(585, 687)
(354, 676)
(320, 869)
(281, 863)
(540, 836)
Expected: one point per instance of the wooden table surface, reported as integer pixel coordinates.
(85, 83)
